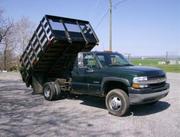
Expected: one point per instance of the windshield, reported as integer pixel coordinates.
(112, 59)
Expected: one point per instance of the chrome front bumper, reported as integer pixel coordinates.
(143, 96)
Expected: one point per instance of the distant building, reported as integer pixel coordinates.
(142, 58)
(174, 62)
(162, 62)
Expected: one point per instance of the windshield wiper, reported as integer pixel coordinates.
(127, 65)
(120, 64)
(114, 65)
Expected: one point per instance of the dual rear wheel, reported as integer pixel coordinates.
(51, 91)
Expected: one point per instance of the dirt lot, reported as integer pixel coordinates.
(24, 114)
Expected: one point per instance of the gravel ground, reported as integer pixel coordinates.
(24, 114)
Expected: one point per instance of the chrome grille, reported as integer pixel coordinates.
(156, 82)
(157, 85)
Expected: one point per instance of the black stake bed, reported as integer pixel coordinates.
(54, 46)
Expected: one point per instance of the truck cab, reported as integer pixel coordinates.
(106, 74)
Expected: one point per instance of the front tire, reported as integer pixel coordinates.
(117, 102)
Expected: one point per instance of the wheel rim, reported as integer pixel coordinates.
(47, 92)
(115, 103)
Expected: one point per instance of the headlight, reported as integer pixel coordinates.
(138, 82)
(139, 79)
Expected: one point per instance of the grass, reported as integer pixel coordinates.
(154, 63)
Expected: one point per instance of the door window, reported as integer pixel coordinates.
(90, 61)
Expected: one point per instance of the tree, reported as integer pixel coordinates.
(8, 46)
(24, 30)
(1, 30)
(6, 41)
(5, 26)
(14, 37)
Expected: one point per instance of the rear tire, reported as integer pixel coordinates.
(117, 102)
(58, 90)
(49, 91)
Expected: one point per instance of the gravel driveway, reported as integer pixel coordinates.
(23, 113)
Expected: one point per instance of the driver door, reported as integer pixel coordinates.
(92, 74)
(86, 75)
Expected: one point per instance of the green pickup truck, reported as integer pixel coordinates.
(110, 75)
(59, 59)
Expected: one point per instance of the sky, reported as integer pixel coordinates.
(139, 27)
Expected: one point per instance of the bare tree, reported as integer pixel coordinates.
(6, 41)
(8, 47)
(14, 37)
(5, 26)
(1, 25)
(23, 29)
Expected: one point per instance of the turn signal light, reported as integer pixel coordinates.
(136, 85)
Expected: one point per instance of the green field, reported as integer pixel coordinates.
(154, 63)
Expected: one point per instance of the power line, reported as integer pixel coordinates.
(111, 6)
(114, 6)
(97, 5)
(100, 21)
(119, 2)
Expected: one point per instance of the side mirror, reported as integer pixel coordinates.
(89, 70)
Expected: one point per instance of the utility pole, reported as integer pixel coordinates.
(110, 25)
(166, 57)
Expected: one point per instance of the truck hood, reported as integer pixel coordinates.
(137, 71)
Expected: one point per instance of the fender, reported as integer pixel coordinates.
(116, 79)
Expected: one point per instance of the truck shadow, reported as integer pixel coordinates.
(148, 109)
(135, 110)
(92, 101)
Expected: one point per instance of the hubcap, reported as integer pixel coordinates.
(115, 103)
(47, 92)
